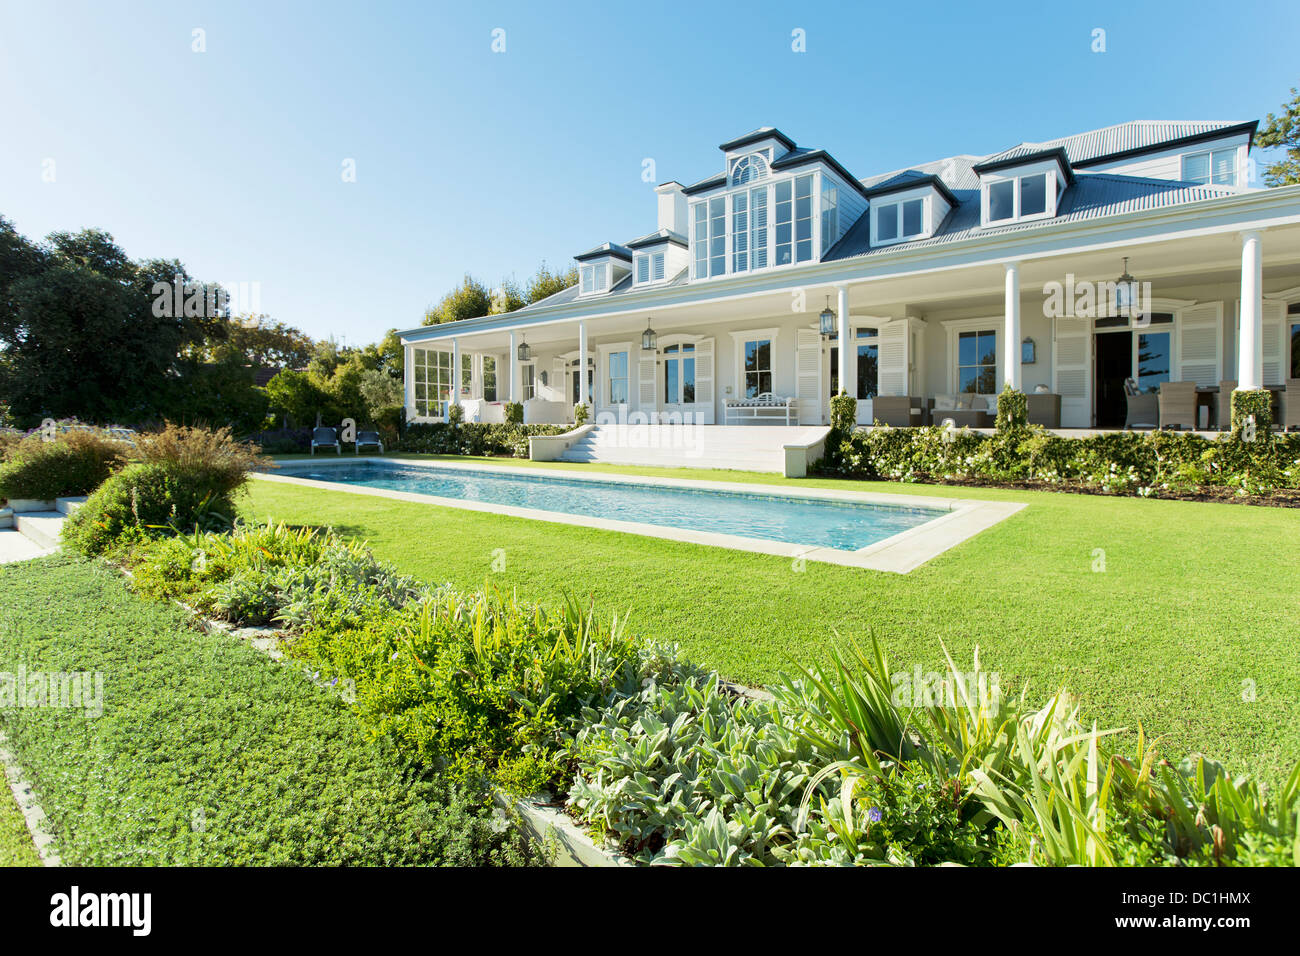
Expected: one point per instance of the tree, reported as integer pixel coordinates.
(469, 300)
(79, 331)
(546, 283)
(262, 342)
(1283, 131)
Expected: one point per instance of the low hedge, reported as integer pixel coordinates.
(206, 754)
(1141, 463)
(473, 438)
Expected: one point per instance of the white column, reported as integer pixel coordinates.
(453, 397)
(1011, 327)
(408, 381)
(1250, 342)
(512, 373)
(848, 382)
(583, 393)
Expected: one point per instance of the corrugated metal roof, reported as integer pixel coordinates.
(1093, 196)
(1121, 138)
(622, 287)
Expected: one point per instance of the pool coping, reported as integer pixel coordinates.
(899, 553)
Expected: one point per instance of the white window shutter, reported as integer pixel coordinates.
(1274, 344)
(646, 382)
(892, 358)
(808, 371)
(1072, 370)
(704, 381)
(1200, 344)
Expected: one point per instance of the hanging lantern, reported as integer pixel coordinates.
(827, 320)
(649, 338)
(525, 353)
(1125, 292)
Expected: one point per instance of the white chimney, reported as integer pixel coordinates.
(672, 207)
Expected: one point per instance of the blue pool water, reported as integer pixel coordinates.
(817, 523)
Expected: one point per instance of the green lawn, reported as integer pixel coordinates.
(1195, 600)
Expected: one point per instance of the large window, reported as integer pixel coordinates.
(1021, 198)
(803, 218)
(467, 374)
(977, 361)
(1153, 359)
(717, 235)
(679, 374)
(528, 378)
(1211, 166)
(618, 378)
(784, 197)
(758, 228)
(758, 367)
(432, 373)
(740, 232)
(489, 378)
(830, 215)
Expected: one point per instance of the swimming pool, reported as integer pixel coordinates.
(807, 521)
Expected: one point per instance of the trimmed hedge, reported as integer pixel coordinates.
(474, 438)
(1142, 463)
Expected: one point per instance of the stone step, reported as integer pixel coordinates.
(69, 504)
(41, 527)
(16, 546)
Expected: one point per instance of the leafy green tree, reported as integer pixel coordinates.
(469, 300)
(79, 331)
(546, 283)
(262, 342)
(1283, 132)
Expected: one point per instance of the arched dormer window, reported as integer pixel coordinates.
(747, 169)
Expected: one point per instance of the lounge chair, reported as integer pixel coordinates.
(369, 439)
(899, 411)
(1143, 410)
(325, 437)
(1178, 405)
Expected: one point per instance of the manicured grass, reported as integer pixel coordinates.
(1181, 616)
(16, 847)
(205, 752)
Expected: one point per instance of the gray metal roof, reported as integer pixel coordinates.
(622, 287)
(1092, 196)
(605, 249)
(1138, 135)
(656, 237)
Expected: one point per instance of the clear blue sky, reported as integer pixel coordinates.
(469, 160)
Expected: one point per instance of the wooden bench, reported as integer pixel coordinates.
(764, 407)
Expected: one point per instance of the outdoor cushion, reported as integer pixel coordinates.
(944, 402)
(963, 400)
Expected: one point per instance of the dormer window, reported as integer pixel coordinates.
(899, 221)
(595, 278)
(1031, 196)
(748, 169)
(649, 267)
(1216, 167)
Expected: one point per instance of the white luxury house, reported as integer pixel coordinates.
(1085, 270)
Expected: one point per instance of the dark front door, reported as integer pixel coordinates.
(1114, 364)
